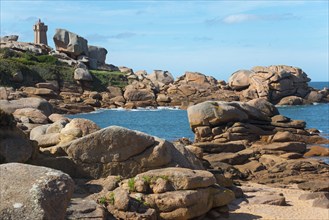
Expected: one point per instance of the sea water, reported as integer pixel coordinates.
(171, 123)
(166, 123)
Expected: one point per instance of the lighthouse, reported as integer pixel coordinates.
(40, 33)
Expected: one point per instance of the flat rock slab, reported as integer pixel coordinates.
(85, 209)
(321, 203)
(298, 147)
(269, 200)
(314, 195)
(232, 146)
(182, 178)
(315, 186)
(230, 158)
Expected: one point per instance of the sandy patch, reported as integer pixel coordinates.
(295, 210)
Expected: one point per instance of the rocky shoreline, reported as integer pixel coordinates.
(71, 169)
(126, 174)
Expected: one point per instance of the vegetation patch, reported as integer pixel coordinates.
(105, 200)
(153, 179)
(34, 68)
(41, 68)
(131, 184)
(103, 79)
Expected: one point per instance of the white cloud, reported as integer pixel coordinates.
(238, 18)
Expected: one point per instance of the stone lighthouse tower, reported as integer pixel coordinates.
(40, 33)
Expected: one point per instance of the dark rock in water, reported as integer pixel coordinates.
(291, 100)
(31, 192)
(317, 151)
(314, 97)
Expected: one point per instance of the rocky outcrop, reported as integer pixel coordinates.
(97, 56)
(161, 78)
(254, 139)
(82, 74)
(170, 193)
(31, 192)
(139, 95)
(31, 114)
(193, 88)
(61, 132)
(272, 82)
(9, 38)
(70, 43)
(26, 47)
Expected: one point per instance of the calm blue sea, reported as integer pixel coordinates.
(172, 124)
(319, 85)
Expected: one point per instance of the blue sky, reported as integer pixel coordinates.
(212, 37)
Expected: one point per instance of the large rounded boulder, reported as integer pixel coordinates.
(161, 77)
(214, 113)
(240, 79)
(70, 43)
(119, 151)
(32, 192)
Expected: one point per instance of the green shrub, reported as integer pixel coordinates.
(102, 200)
(47, 59)
(102, 79)
(7, 53)
(111, 198)
(131, 184)
(23, 60)
(40, 68)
